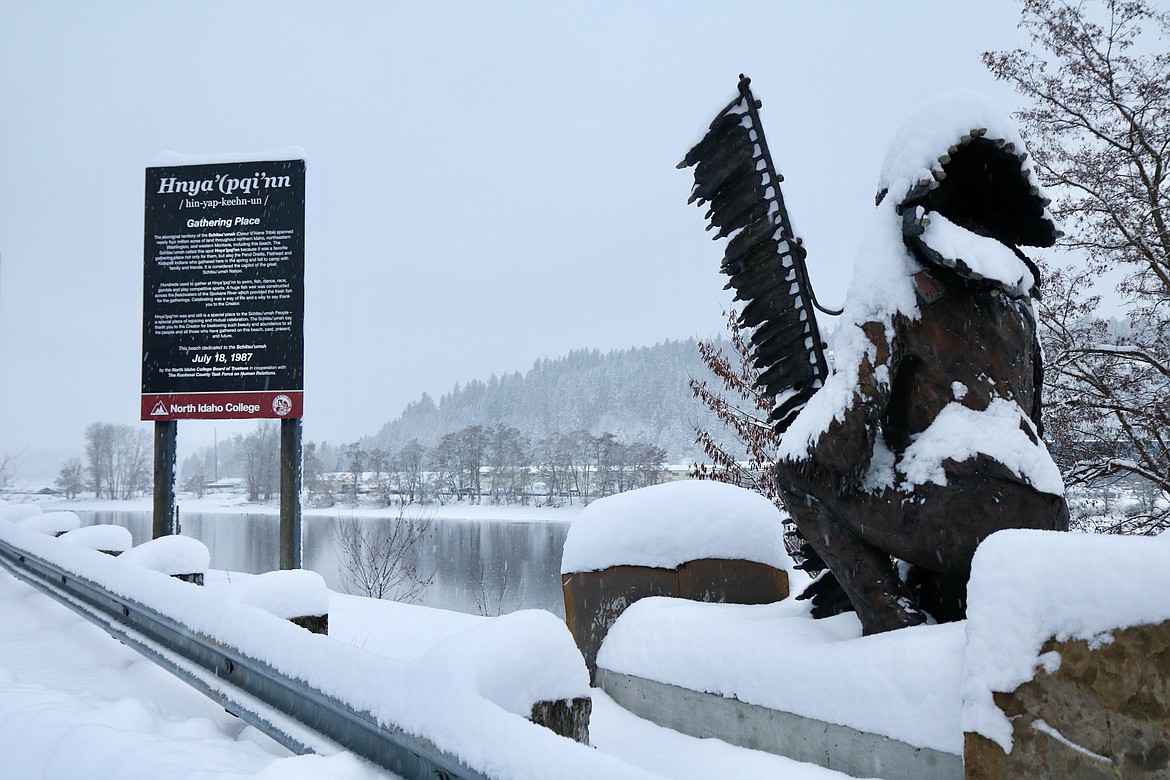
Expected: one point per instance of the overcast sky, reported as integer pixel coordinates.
(488, 183)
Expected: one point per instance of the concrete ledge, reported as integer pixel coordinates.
(840, 748)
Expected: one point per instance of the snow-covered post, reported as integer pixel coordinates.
(176, 556)
(565, 717)
(109, 539)
(298, 596)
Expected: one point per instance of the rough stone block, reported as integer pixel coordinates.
(732, 582)
(1104, 713)
(595, 599)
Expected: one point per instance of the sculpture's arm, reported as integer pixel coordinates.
(845, 449)
(764, 259)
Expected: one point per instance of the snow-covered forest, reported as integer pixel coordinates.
(637, 394)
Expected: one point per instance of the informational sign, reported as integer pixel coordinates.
(223, 291)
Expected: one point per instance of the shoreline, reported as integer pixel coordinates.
(234, 503)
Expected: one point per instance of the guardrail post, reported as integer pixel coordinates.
(566, 717)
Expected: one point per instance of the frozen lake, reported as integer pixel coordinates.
(509, 564)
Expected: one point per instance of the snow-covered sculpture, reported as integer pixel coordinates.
(925, 436)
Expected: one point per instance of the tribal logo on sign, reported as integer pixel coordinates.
(282, 405)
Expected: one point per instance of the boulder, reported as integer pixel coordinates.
(693, 539)
(1096, 709)
(595, 599)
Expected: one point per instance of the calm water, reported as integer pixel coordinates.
(510, 565)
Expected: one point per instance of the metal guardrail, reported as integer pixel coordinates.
(296, 715)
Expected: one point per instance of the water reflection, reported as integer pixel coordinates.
(493, 565)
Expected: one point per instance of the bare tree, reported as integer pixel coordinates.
(71, 478)
(382, 476)
(313, 476)
(448, 468)
(195, 474)
(356, 460)
(410, 462)
(260, 453)
(472, 448)
(9, 461)
(645, 463)
(489, 596)
(555, 459)
(609, 465)
(379, 558)
(133, 448)
(507, 463)
(99, 455)
(1098, 79)
(118, 459)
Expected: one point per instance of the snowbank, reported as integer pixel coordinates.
(461, 695)
(170, 555)
(666, 525)
(902, 684)
(75, 703)
(1029, 586)
(111, 538)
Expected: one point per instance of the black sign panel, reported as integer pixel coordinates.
(223, 291)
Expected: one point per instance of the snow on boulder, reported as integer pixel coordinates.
(52, 523)
(287, 594)
(1028, 587)
(105, 538)
(666, 525)
(14, 513)
(171, 555)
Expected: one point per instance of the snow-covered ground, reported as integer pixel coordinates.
(75, 703)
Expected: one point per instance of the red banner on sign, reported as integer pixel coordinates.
(222, 406)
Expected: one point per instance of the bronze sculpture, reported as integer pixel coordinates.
(925, 436)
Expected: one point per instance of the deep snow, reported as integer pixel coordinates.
(81, 704)
(71, 697)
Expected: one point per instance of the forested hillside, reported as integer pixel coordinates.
(638, 394)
